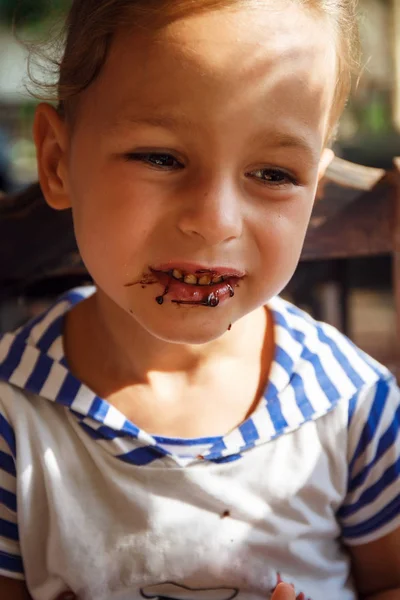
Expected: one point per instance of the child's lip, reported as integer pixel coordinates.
(182, 292)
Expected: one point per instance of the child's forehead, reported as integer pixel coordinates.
(215, 39)
(226, 56)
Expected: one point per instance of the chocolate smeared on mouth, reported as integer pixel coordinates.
(212, 301)
(199, 288)
(160, 299)
(148, 279)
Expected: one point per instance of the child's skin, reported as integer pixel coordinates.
(233, 96)
(223, 73)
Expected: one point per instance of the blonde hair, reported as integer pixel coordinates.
(91, 24)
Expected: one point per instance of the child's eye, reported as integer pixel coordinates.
(154, 159)
(273, 177)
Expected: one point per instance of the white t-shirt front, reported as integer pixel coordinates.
(91, 503)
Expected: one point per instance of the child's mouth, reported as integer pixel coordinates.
(197, 287)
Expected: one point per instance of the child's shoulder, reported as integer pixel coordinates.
(29, 354)
(332, 355)
(327, 373)
(41, 330)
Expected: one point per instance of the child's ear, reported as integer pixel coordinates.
(51, 140)
(326, 158)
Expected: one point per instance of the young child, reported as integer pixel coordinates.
(179, 431)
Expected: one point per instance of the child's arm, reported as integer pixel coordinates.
(389, 595)
(370, 512)
(376, 568)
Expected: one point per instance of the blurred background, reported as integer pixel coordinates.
(369, 134)
(21, 22)
(369, 129)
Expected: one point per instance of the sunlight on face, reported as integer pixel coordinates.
(201, 143)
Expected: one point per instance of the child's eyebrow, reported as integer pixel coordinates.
(278, 139)
(164, 121)
(271, 139)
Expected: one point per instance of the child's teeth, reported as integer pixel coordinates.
(177, 274)
(205, 280)
(192, 279)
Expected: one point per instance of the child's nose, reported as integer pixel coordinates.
(212, 212)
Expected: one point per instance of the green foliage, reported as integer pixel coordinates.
(28, 12)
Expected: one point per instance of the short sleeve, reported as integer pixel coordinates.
(371, 508)
(10, 556)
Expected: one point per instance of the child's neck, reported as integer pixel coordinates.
(140, 375)
(131, 353)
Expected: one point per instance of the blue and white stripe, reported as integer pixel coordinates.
(10, 555)
(373, 499)
(314, 368)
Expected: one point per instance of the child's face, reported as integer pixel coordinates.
(237, 103)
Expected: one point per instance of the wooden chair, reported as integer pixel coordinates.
(357, 214)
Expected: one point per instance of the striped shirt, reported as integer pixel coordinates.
(90, 502)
